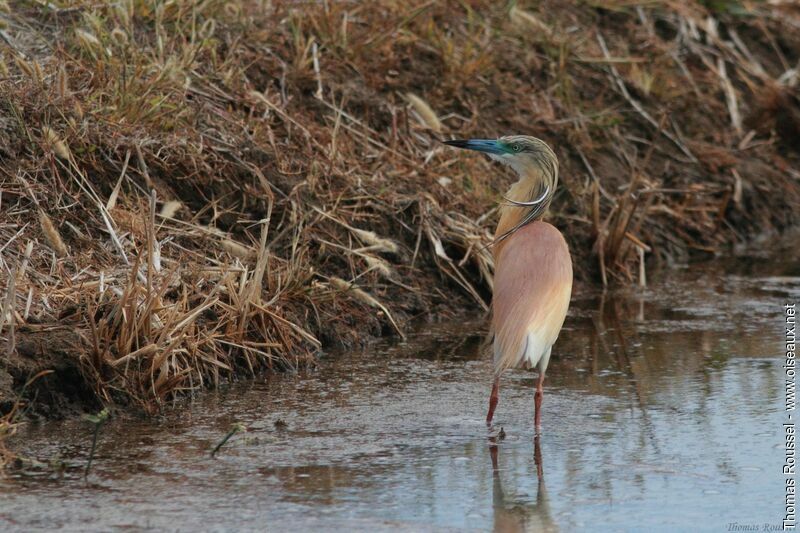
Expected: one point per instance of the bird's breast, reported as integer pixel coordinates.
(532, 287)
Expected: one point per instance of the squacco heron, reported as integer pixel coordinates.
(533, 268)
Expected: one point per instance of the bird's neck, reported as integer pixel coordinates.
(534, 183)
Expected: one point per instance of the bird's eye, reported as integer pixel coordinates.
(516, 147)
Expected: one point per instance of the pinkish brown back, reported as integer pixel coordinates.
(533, 284)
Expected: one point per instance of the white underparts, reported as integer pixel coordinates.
(534, 353)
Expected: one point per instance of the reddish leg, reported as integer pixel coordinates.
(493, 399)
(537, 401)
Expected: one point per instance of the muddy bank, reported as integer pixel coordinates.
(192, 194)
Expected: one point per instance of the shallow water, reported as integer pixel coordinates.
(663, 411)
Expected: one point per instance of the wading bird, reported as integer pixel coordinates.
(533, 268)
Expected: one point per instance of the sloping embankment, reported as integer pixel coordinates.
(192, 190)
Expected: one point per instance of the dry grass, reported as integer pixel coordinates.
(203, 187)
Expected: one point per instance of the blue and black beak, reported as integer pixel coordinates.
(488, 146)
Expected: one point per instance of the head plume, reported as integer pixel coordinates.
(537, 166)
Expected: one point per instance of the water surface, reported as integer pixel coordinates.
(663, 411)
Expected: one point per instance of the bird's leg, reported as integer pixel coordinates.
(537, 402)
(493, 399)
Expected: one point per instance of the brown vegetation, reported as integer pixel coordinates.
(195, 189)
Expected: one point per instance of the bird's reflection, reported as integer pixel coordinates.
(512, 514)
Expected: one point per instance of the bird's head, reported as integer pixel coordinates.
(535, 163)
(521, 152)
